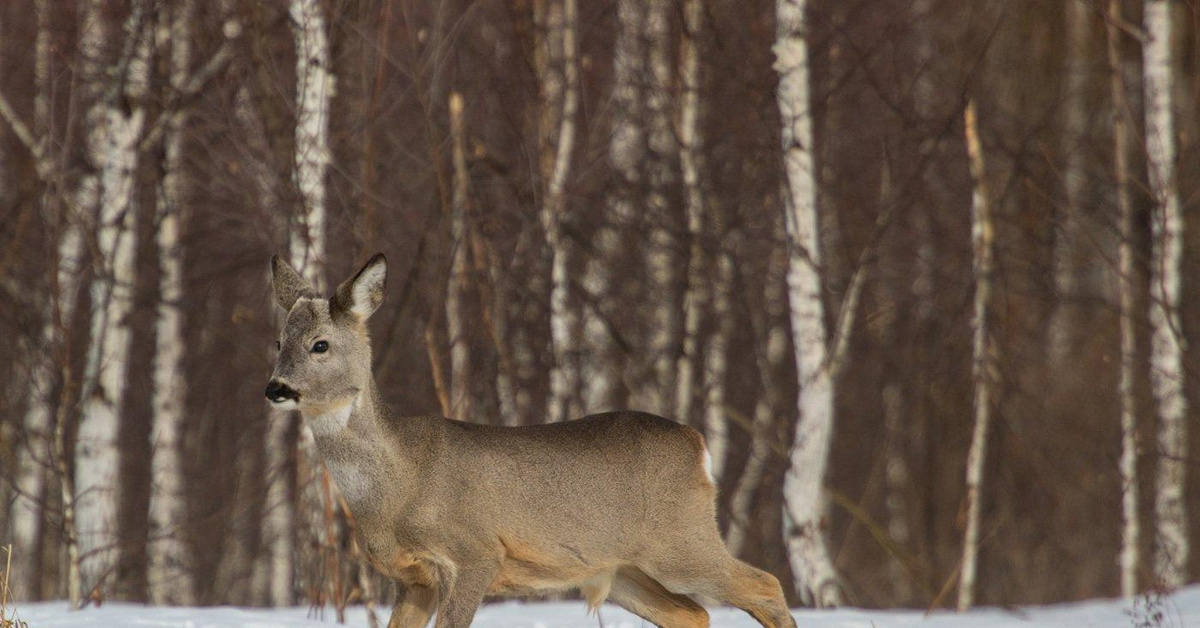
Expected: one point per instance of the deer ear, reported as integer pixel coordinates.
(361, 294)
(289, 285)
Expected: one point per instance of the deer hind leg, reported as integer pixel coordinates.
(756, 592)
(643, 596)
(720, 576)
(414, 606)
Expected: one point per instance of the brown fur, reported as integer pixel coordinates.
(616, 505)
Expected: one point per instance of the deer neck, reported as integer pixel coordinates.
(351, 440)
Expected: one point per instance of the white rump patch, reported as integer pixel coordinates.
(708, 466)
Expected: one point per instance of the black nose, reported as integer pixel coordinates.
(279, 392)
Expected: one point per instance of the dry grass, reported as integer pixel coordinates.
(8, 617)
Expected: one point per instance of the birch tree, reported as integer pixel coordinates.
(1167, 347)
(564, 319)
(716, 367)
(115, 119)
(26, 512)
(314, 91)
(1130, 557)
(170, 572)
(657, 393)
(626, 149)
(983, 358)
(804, 501)
(456, 314)
(690, 143)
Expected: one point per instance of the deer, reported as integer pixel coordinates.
(619, 506)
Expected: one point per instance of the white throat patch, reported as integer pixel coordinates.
(332, 422)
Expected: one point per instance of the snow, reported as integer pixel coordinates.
(1180, 609)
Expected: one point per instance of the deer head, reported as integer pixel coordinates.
(324, 357)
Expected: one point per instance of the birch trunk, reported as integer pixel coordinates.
(1166, 349)
(170, 573)
(456, 316)
(983, 235)
(564, 318)
(314, 91)
(315, 88)
(695, 296)
(716, 355)
(804, 502)
(1130, 558)
(657, 393)
(626, 150)
(34, 459)
(116, 122)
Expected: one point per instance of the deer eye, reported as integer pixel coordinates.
(320, 347)
(278, 345)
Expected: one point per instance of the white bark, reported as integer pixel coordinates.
(716, 366)
(314, 91)
(1130, 558)
(564, 318)
(169, 570)
(626, 150)
(33, 459)
(315, 87)
(117, 121)
(695, 296)
(456, 315)
(804, 501)
(1166, 349)
(983, 237)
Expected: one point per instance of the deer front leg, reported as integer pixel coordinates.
(414, 606)
(461, 593)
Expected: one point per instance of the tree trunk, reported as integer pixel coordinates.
(1166, 350)
(461, 406)
(690, 145)
(716, 357)
(35, 458)
(315, 86)
(1130, 559)
(1074, 274)
(655, 391)
(115, 123)
(804, 499)
(564, 317)
(984, 366)
(626, 151)
(170, 570)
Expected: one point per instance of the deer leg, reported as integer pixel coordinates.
(718, 575)
(461, 593)
(414, 606)
(643, 596)
(754, 591)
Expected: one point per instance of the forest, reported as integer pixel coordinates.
(923, 272)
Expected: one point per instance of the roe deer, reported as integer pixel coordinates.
(619, 506)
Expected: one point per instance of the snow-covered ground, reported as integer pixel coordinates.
(1181, 609)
